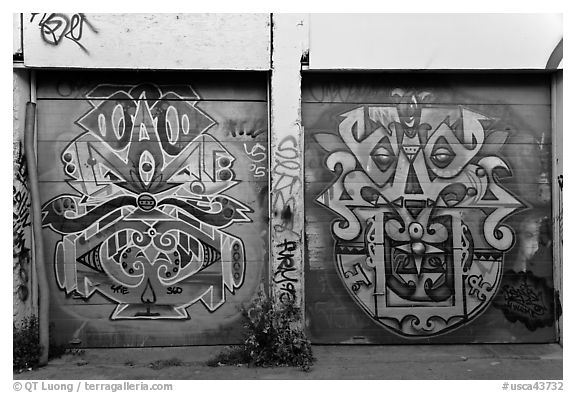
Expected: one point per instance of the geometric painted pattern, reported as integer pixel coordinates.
(420, 241)
(145, 224)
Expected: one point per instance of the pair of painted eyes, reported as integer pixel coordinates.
(441, 156)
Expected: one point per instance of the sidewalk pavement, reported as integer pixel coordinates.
(390, 362)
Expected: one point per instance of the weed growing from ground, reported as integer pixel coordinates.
(273, 337)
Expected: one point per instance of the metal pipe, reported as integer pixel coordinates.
(43, 290)
(33, 95)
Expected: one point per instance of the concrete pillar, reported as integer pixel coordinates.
(289, 42)
(557, 192)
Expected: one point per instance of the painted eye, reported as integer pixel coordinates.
(383, 157)
(383, 154)
(442, 156)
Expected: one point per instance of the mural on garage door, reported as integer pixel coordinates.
(420, 229)
(146, 222)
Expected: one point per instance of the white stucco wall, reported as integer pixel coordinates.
(148, 41)
(433, 41)
(16, 34)
(337, 41)
(287, 160)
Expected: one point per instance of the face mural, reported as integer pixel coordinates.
(420, 240)
(146, 225)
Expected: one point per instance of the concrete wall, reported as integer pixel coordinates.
(148, 41)
(16, 34)
(24, 288)
(287, 193)
(432, 41)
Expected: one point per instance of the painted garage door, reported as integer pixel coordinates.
(428, 208)
(154, 197)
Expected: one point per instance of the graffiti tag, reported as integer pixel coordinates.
(55, 27)
(283, 271)
(528, 299)
(286, 182)
(120, 289)
(258, 157)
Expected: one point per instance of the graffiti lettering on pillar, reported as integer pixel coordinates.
(257, 155)
(285, 271)
(21, 223)
(420, 238)
(286, 182)
(528, 299)
(56, 27)
(145, 225)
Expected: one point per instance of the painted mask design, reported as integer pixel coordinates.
(145, 228)
(420, 239)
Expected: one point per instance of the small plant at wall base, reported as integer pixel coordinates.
(273, 337)
(26, 344)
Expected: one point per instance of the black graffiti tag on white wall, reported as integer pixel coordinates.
(55, 27)
(282, 273)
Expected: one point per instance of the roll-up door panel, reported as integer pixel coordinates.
(154, 197)
(428, 208)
